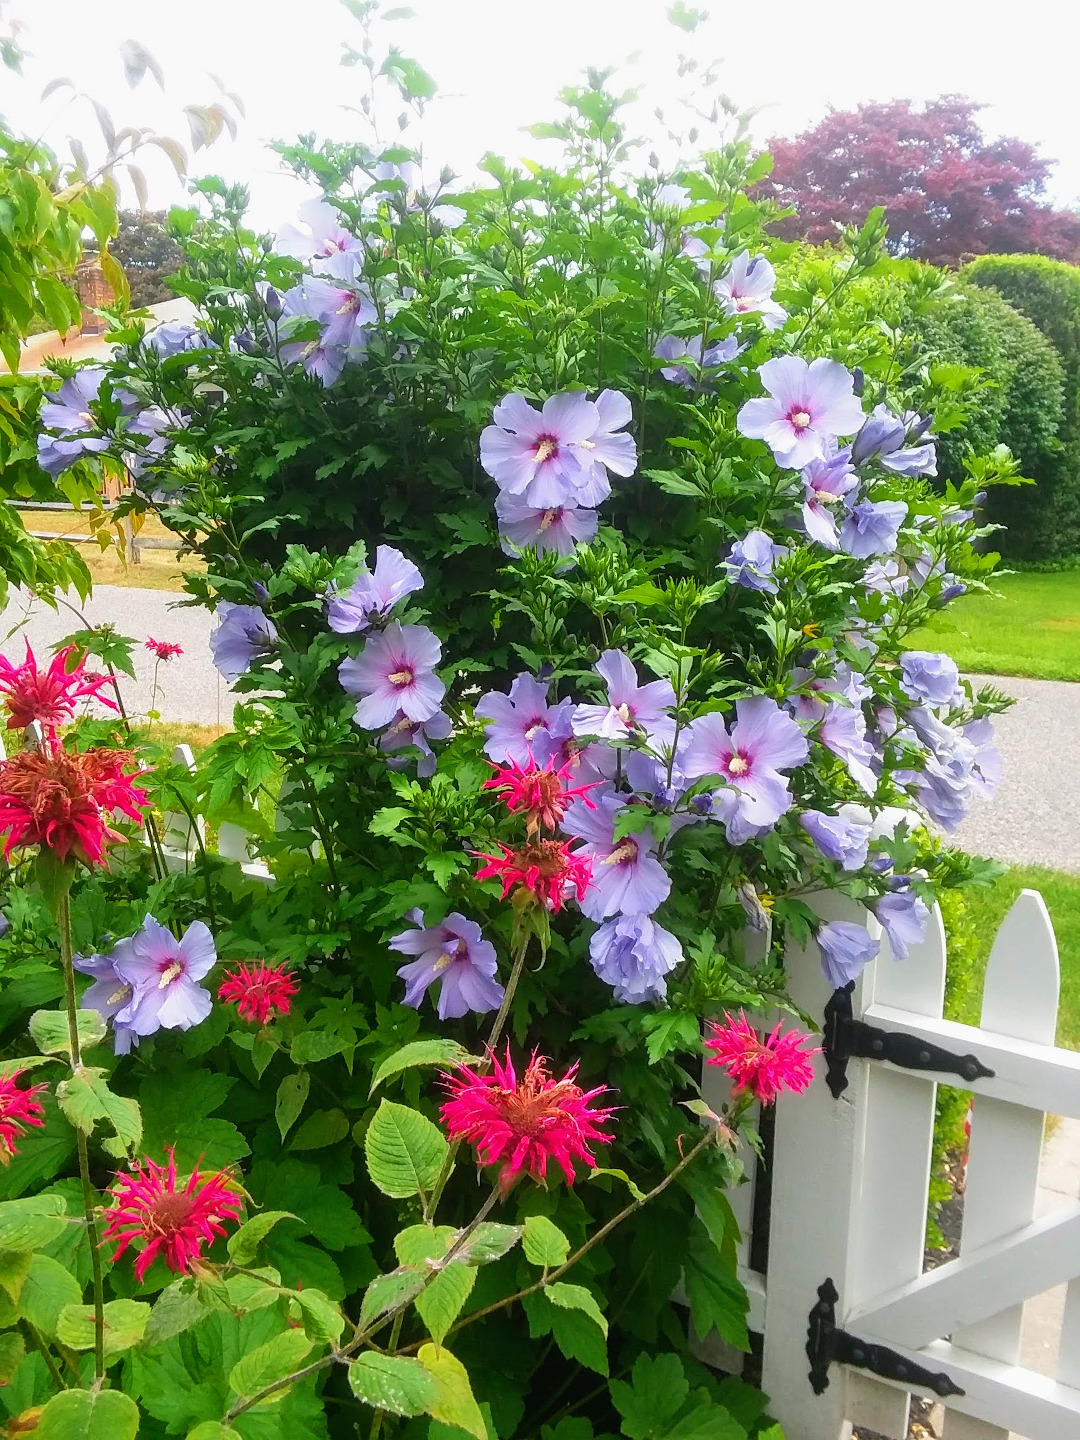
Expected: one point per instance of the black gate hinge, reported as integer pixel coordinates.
(846, 1038)
(827, 1345)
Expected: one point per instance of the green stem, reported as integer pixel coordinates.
(89, 1194)
(39, 1345)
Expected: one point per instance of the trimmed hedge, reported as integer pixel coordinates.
(1022, 404)
(1047, 292)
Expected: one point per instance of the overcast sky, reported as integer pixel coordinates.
(500, 63)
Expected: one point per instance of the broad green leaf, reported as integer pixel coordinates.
(439, 1304)
(47, 1289)
(717, 1300)
(244, 1243)
(322, 1319)
(175, 1310)
(404, 1151)
(14, 1268)
(269, 1363)
(420, 1052)
(489, 1241)
(85, 1099)
(454, 1403)
(394, 1383)
(291, 1095)
(125, 1325)
(388, 1291)
(576, 1297)
(32, 1223)
(543, 1242)
(712, 1422)
(82, 1415)
(49, 1030)
(25, 1062)
(656, 1393)
(12, 1350)
(418, 1243)
(213, 1430)
(321, 1128)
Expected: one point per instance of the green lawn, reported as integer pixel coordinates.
(1033, 628)
(988, 907)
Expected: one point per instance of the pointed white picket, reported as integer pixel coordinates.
(1020, 1000)
(180, 838)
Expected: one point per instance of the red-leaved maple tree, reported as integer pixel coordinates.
(948, 191)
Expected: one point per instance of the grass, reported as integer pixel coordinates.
(157, 569)
(1032, 628)
(989, 906)
(170, 733)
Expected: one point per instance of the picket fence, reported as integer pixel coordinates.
(836, 1211)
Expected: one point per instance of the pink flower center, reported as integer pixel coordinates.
(546, 446)
(402, 678)
(800, 419)
(169, 974)
(539, 723)
(738, 765)
(549, 518)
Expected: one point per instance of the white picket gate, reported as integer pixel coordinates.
(849, 1181)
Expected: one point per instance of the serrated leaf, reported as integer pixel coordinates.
(323, 1321)
(175, 1310)
(268, 1363)
(404, 1151)
(454, 1402)
(388, 1291)
(440, 1303)
(488, 1242)
(291, 1096)
(213, 1430)
(49, 1030)
(47, 1289)
(32, 1223)
(244, 1243)
(321, 1128)
(544, 1243)
(125, 1323)
(576, 1297)
(420, 1052)
(12, 1350)
(657, 1392)
(393, 1383)
(84, 1415)
(85, 1099)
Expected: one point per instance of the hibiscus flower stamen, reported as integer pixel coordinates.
(738, 765)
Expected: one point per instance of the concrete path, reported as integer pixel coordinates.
(1034, 819)
(191, 689)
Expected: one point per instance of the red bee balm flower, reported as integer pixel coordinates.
(541, 791)
(546, 867)
(59, 799)
(48, 696)
(258, 990)
(164, 649)
(763, 1067)
(176, 1223)
(522, 1126)
(18, 1109)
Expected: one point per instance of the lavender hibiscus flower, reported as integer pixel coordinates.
(524, 726)
(634, 956)
(562, 454)
(627, 877)
(69, 412)
(455, 954)
(843, 731)
(809, 406)
(108, 995)
(750, 562)
(394, 676)
(244, 634)
(164, 973)
(883, 438)
(177, 338)
(746, 289)
(320, 359)
(872, 528)
(930, 677)
(903, 917)
(558, 529)
(324, 241)
(374, 593)
(405, 734)
(826, 485)
(846, 949)
(837, 839)
(677, 351)
(763, 742)
(630, 706)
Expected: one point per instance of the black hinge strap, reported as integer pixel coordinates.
(827, 1345)
(846, 1038)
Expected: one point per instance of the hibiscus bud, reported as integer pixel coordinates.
(272, 301)
(858, 380)
(920, 427)
(951, 592)
(446, 176)
(261, 593)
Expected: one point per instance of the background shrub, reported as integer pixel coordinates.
(1045, 522)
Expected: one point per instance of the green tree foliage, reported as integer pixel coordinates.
(147, 254)
(1048, 293)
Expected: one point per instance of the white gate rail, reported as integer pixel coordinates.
(849, 1185)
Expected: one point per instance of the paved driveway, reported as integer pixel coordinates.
(192, 690)
(1034, 819)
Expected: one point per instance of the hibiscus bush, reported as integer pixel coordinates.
(563, 534)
